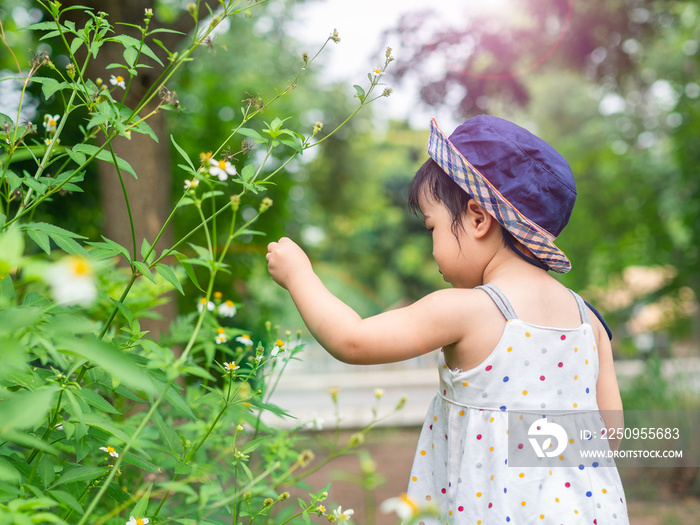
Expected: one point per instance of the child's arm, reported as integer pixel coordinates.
(391, 336)
(607, 389)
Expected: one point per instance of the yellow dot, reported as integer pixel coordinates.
(450, 513)
(523, 503)
(435, 418)
(492, 420)
(466, 383)
(491, 449)
(510, 348)
(561, 458)
(414, 478)
(575, 405)
(527, 334)
(550, 472)
(575, 349)
(422, 452)
(605, 491)
(575, 511)
(541, 516)
(491, 478)
(575, 377)
(522, 474)
(461, 412)
(571, 440)
(478, 494)
(524, 392)
(556, 499)
(586, 361)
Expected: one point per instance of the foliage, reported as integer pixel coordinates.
(100, 422)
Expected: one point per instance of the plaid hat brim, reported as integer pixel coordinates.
(535, 238)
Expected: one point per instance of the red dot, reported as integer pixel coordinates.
(460, 508)
(488, 368)
(560, 365)
(490, 505)
(444, 392)
(563, 337)
(567, 484)
(478, 436)
(431, 427)
(444, 491)
(541, 378)
(520, 445)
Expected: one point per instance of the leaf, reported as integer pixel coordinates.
(169, 275)
(137, 461)
(360, 93)
(49, 85)
(125, 310)
(67, 499)
(118, 248)
(130, 55)
(247, 172)
(247, 132)
(170, 437)
(178, 402)
(25, 409)
(111, 360)
(34, 184)
(64, 239)
(96, 400)
(182, 152)
(144, 270)
(105, 156)
(189, 271)
(139, 510)
(80, 473)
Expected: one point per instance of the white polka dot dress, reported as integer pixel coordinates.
(461, 463)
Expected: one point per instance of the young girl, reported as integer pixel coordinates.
(513, 340)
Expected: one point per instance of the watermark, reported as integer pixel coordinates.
(583, 439)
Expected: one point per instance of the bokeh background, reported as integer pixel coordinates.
(612, 84)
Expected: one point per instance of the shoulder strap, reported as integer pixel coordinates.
(582, 310)
(500, 299)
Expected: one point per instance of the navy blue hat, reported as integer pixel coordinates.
(517, 177)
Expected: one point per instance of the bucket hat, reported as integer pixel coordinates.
(522, 181)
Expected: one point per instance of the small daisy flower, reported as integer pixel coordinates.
(402, 505)
(343, 515)
(148, 11)
(220, 336)
(137, 521)
(231, 367)
(245, 340)
(279, 345)
(50, 122)
(377, 71)
(204, 158)
(203, 303)
(227, 309)
(111, 451)
(72, 281)
(118, 80)
(191, 184)
(378, 393)
(222, 169)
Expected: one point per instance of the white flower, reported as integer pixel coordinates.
(231, 367)
(377, 71)
(148, 11)
(203, 303)
(220, 337)
(378, 392)
(227, 309)
(137, 521)
(279, 345)
(191, 184)
(342, 515)
(118, 80)
(221, 169)
(50, 122)
(72, 281)
(244, 340)
(110, 451)
(402, 505)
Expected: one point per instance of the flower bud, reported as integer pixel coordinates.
(265, 204)
(335, 36)
(235, 202)
(70, 71)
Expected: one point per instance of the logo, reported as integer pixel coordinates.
(542, 427)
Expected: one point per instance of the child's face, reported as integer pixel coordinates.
(447, 248)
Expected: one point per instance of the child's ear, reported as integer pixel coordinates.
(478, 218)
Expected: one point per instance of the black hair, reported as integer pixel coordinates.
(432, 182)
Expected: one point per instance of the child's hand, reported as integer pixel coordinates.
(286, 260)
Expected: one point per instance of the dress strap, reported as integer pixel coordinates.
(500, 299)
(581, 307)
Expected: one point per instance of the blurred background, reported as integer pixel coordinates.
(612, 84)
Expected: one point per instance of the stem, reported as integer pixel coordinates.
(126, 200)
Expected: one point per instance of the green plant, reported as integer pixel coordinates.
(99, 421)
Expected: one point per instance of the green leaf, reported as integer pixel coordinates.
(137, 461)
(96, 400)
(34, 184)
(144, 270)
(125, 310)
(360, 93)
(75, 45)
(45, 470)
(80, 473)
(102, 423)
(169, 275)
(67, 499)
(178, 402)
(189, 271)
(170, 437)
(118, 248)
(41, 239)
(182, 152)
(49, 85)
(139, 510)
(105, 156)
(247, 132)
(146, 250)
(25, 409)
(111, 360)
(130, 55)
(247, 172)
(64, 239)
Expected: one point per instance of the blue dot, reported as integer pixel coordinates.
(580, 467)
(503, 408)
(506, 461)
(505, 490)
(507, 518)
(505, 379)
(588, 390)
(595, 464)
(589, 493)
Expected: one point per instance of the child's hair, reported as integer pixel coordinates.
(434, 184)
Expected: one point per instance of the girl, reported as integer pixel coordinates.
(513, 340)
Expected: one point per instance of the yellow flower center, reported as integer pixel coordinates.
(80, 266)
(222, 164)
(245, 336)
(219, 330)
(52, 122)
(279, 343)
(121, 79)
(110, 450)
(139, 521)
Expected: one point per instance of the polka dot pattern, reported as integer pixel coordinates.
(461, 463)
